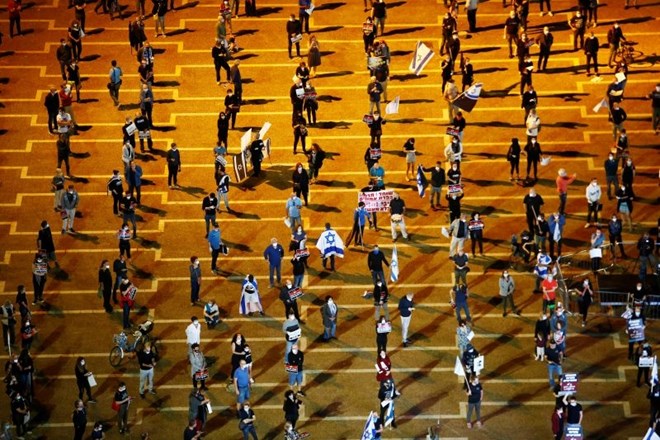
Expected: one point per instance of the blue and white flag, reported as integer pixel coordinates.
(421, 58)
(468, 99)
(394, 266)
(651, 435)
(369, 427)
(654, 372)
(330, 243)
(389, 414)
(422, 183)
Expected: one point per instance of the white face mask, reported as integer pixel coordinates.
(274, 245)
(330, 301)
(107, 266)
(82, 362)
(288, 285)
(196, 323)
(299, 169)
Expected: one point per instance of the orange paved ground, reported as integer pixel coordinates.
(340, 383)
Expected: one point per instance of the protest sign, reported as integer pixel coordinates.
(376, 201)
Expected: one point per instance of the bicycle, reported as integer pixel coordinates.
(122, 346)
(626, 53)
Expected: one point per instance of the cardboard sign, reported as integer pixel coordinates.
(573, 432)
(295, 293)
(246, 139)
(478, 364)
(645, 362)
(635, 330)
(568, 384)
(376, 201)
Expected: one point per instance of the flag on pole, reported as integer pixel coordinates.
(654, 372)
(389, 414)
(601, 104)
(468, 99)
(264, 130)
(421, 58)
(458, 368)
(651, 435)
(394, 266)
(240, 167)
(246, 139)
(393, 106)
(422, 183)
(369, 427)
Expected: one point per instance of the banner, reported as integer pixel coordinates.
(246, 139)
(240, 167)
(573, 432)
(635, 330)
(264, 130)
(393, 106)
(421, 58)
(468, 99)
(478, 364)
(568, 384)
(376, 201)
(394, 266)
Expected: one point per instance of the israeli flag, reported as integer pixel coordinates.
(421, 58)
(422, 183)
(394, 266)
(369, 427)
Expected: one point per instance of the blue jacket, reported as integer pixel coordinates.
(135, 178)
(274, 254)
(214, 239)
(552, 223)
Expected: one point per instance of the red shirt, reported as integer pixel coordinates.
(563, 182)
(14, 8)
(65, 99)
(549, 288)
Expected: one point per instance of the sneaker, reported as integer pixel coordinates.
(550, 14)
(63, 231)
(152, 391)
(541, 14)
(587, 225)
(91, 401)
(302, 393)
(469, 425)
(72, 231)
(479, 424)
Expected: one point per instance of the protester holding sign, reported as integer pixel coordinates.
(635, 329)
(292, 332)
(644, 362)
(289, 295)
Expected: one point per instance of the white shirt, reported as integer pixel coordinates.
(193, 334)
(593, 193)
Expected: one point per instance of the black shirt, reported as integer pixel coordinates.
(146, 358)
(573, 416)
(397, 206)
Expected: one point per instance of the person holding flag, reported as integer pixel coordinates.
(330, 244)
(373, 428)
(422, 183)
(386, 394)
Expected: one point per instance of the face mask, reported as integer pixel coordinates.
(299, 169)
(196, 323)
(147, 351)
(122, 389)
(506, 275)
(274, 245)
(437, 168)
(573, 403)
(295, 351)
(82, 362)
(288, 285)
(611, 157)
(376, 251)
(629, 162)
(246, 408)
(107, 266)
(230, 94)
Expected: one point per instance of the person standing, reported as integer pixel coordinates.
(450, 93)
(301, 181)
(173, 166)
(556, 224)
(654, 96)
(562, 183)
(197, 414)
(533, 203)
(461, 267)
(220, 55)
(292, 332)
(574, 412)
(471, 7)
(8, 324)
(256, 156)
(124, 238)
(437, 180)
(215, 243)
(532, 148)
(406, 308)
(116, 189)
(554, 358)
(82, 380)
(147, 104)
(375, 261)
(198, 368)
(459, 231)
(288, 298)
(126, 300)
(381, 298)
(544, 41)
(193, 333)
(39, 276)
(45, 243)
(209, 206)
(291, 407)
(529, 101)
(79, 420)
(593, 194)
(236, 82)
(134, 180)
(615, 227)
(274, 254)
(52, 104)
(195, 280)
(557, 420)
(295, 360)
(507, 286)
(591, 51)
(14, 8)
(70, 201)
(397, 213)
(63, 153)
(121, 402)
(614, 38)
(147, 361)
(128, 206)
(618, 117)
(645, 247)
(247, 418)
(360, 217)
(293, 29)
(475, 393)
(511, 29)
(292, 211)
(458, 296)
(578, 25)
(611, 166)
(115, 81)
(379, 14)
(105, 284)
(549, 286)
(586, 294)
(329, 312)
(159, 12)
(298, 264)
(374, 90)
(476, 228)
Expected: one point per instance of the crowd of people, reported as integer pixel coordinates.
(550, 335)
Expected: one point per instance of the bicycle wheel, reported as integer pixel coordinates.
(116, 356)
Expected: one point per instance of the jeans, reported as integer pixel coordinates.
(208, 219)
(378, 275)
(114, 92)
(477, 408)
(287, 350)
(643, 261)
(194, 292)
(554, 370)
(296, 379)
(562, 202)
(436, 192)
(298, 280)
(508, 300)
(611, 181)
(146, 378)
(330, 332)
(249, 430)
(465, 308)
(272, 270)
(214, 259)
(126, 315)
(67, 223)
(460, 275)
(405, 323)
